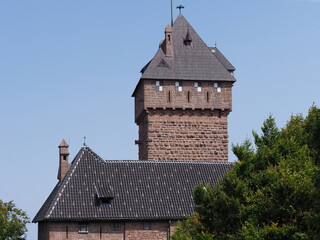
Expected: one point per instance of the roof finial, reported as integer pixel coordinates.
(171, 13)
(180, 7)
(84, 141)
(215, 44)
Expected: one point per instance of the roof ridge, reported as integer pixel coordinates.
(167, 162)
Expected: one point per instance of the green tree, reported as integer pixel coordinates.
(272, 192)
(12, 222)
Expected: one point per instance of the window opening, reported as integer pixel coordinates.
(188, 96)
(116, 226)
(169, 96)
(100, 232)
(83, 228)
(197, 86)
(207, 96)
(217, 87)
(159, 86)
(178, 86)
(67, 232)
(146, 226)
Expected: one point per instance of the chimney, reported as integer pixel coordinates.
(63, 159)
(168, 42)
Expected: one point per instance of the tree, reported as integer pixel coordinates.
(272, 192)
(12, 222)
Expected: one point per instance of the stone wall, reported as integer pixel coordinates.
(159, 230)
(184, 135)
(183, 124)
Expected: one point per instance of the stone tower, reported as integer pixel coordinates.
(183, 99)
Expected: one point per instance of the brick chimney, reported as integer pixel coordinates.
(168, 49)
(63, 159)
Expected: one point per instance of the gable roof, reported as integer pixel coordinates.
(140, 190)
(195, 62)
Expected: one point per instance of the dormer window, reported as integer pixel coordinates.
(105, 201)
(104, 196)
(159, 86)
(179, 86)
(197, 86)
(217, 87)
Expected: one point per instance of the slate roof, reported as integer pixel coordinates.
(141, 190)
(196, 62)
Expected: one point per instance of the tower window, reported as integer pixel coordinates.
(179, 86)
(197, 86)
(217, 87)
(159, 86)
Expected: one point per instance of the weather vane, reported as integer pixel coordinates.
(180, 7)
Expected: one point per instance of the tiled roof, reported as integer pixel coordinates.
(138, 189)
(194, 62)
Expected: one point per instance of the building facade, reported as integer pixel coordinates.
(182, 102)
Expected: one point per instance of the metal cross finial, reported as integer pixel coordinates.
(84, 141)
(180, 7)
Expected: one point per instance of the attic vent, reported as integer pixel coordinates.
(188, 40)
(163, 63)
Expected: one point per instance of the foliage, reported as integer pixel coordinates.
(272, 192)
(12, 222)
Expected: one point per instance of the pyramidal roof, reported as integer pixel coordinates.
(189, 62)
(137, 189)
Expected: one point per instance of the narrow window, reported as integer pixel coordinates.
(116, 226)
(159, 86)
(100, 232)
(146, 226)
(169, 96)
(188, 96)
(67, 232)
(217, 86)
(64, 157)
(178, 86)
(197, 86)
(83, 228)
(208, 97)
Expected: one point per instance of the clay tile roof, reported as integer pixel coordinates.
(141, 190)
(190, 62)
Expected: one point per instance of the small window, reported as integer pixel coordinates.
(179, 86)
(146, 226)
(83, 228)
(104, 201)
(116, 226)
(217, 87)
(197, 86)
(159, 86)
(64, 157)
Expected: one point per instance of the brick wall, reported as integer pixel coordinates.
(184, 135)
(159, 230)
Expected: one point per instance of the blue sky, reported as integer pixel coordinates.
(68, 69)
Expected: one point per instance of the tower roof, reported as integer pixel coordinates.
(195, 61)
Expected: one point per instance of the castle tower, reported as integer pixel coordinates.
(183, 99)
